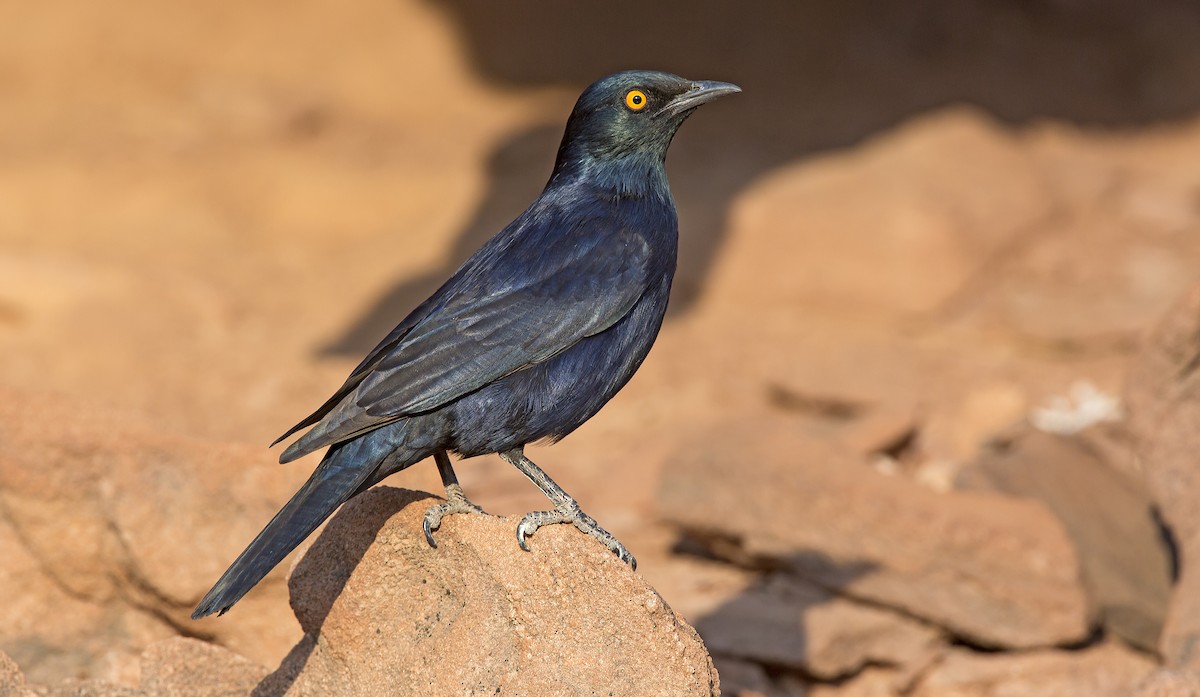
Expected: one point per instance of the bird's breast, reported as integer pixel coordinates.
(551, 399)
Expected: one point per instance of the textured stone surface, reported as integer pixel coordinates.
(112, 530)
(88, 688)
(383, 612)
(1109, 516)
(876, 231)
(1163, 394)
(1103, 671)
(1164, 373)
(992, 569)
(183, 667)
(1169, 683)
(12, 683)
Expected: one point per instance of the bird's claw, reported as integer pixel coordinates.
(456, 502)
(532, 521)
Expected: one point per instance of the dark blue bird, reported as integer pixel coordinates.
(526, 341)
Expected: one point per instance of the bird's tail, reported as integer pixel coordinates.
(341, 474)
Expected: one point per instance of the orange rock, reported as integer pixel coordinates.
(112, 530)
(384, 613)
(1163, 395)
(1126, 563)
(12, 683)
(1107, 670)
(1169, 683)
(994, 570)
(789, 624)
(184, 667)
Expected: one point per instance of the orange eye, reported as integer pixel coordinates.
(636, 100)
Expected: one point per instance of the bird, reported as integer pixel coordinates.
(527, 340)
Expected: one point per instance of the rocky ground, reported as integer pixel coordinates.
(922, 422)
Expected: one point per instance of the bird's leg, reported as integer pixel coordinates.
(566, 510)
(456, 500)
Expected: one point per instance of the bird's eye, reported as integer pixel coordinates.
(636, 100)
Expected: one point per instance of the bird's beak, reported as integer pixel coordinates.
(701, 92)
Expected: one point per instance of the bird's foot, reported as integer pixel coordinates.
(571, 513)
(456, 502)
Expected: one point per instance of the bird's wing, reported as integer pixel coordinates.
(537, 296)
(372, 359)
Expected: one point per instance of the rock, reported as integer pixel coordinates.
(1053, 295)
(1169, 683)
(89, 688)
(697, 586)
(989, 569)
(51, 633)
(794, 625)
(111, 531)
(1126, 562)
(873, 682)
(1103, 671)
(184, 667)
(1164, 372)
(1163, 397)
(880, 431)
(876, 234)
(173, 668)
(982, 413)
(742, 678)
(383, 612)
(12, 683)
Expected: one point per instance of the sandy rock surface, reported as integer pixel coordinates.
(102, 520)
(1169, 683)
(177, 667)
(182, 667)
(1097, 672)
(951, 559)
(1127, 565)
(383, 612)
(1164, 397)
(12, 682)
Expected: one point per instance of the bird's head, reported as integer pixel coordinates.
(631, 115)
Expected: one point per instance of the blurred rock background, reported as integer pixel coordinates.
(923, 420)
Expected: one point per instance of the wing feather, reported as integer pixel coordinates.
(527, 299)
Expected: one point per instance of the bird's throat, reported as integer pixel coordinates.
(633, 175)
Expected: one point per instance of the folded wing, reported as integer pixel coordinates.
(521, 300)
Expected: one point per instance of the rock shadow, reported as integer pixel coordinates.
(765, 624)
(345, 539)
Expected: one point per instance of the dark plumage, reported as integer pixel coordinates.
(526, 341)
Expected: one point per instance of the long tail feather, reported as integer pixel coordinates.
(339, 476)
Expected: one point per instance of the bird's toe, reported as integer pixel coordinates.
(456, 503)
(532, 521)
(572, 514)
